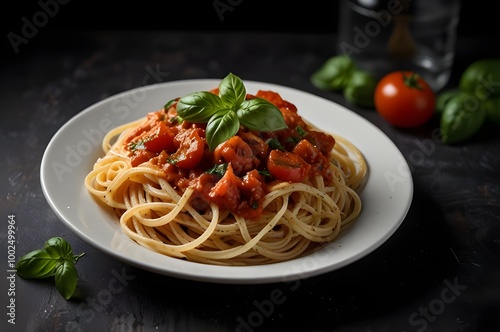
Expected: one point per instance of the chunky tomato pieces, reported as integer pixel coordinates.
(236, 175)
(149, 139)
(190, 148)
(287, 166)
(160, 137)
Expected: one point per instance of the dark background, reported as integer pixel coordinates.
(254, 15)
(477, 17)
(451, 231)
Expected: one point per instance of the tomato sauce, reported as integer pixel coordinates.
(235, 176)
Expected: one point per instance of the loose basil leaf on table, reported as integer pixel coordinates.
(55, 259)
(461, 119)
(334, 73)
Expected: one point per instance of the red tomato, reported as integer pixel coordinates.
(159, 138)
(311, 154)
(287, 166)
(152, 139)
(141, 156)
(275, 98)
(190, 151)
(237, 152)
(404, 99)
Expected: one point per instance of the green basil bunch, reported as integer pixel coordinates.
(334, 73)
(55, 259)
(461, 119)
(463, 110)
(339, 73)
(224, 113)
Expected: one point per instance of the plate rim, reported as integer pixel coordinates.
(224, 276)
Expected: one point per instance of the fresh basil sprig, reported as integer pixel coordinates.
(224, 113)
(217, 169)
(55, 259)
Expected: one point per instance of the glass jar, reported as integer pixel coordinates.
(387, 35)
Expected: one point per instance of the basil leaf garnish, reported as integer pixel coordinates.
(217, 169)
(301, 131)
(220, 128)
(259, 114)
(169, 104)
(225, 112)
(199, 107)
(232, 91)
(274, 144)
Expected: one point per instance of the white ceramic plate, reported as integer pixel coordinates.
(73, 150)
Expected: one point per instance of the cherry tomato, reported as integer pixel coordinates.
(287, 166)
(313, 156)
(404, 99)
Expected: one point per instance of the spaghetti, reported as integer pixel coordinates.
(241, 204)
